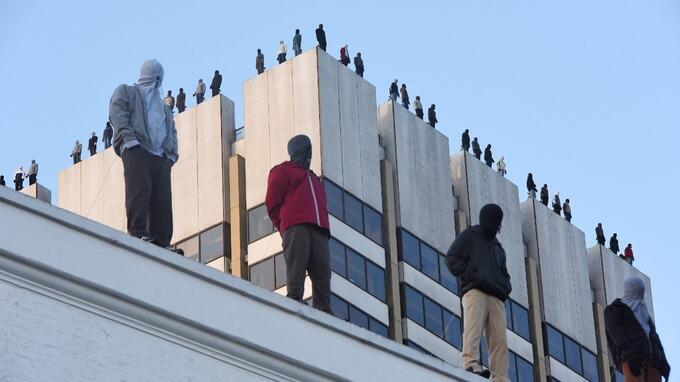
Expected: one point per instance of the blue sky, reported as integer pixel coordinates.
(584, 94)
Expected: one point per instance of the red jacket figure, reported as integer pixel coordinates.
(628, 252)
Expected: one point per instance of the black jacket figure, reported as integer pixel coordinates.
(630, 342)
(259, 62)
(599, 234)
(544, 195)
(181, 100)
(108, 135)
(531, 186)
(614, 244)
(557, 205)
(465, 140)
(2, 180)
(359, 64)
(478, 259)
(432, 115)
(321, 37)
(216, 83)
(476, 150)
(92, 144)
(488, 157)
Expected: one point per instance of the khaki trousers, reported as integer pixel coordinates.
(483, 312)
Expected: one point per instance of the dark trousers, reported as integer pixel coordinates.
(148, 195)
(305, 248)
(567, 215)
(215, 92)
(107, 142)
(419, 113)
(181, 108)
(93, 150)
(18, 185)
(432, 123)
(281, 58)
(360, 71)
(32, 179)
(478, 155)
(322, 45)
(466, 147)
(76, 158)
(199, 97)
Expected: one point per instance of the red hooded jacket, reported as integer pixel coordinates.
(295, 196)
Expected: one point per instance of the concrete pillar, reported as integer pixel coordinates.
(391, 251)
(602, 348)
(237, 211)
(535, 320)
(39, 192)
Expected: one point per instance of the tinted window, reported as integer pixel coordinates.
(520, 321)
(338, 257)
(356, 272)
(512, 369)
(447, 279)
(452, 330)
(525, 370)
(212, 244)
(572, 354)
(358, 317)
(373, 225)
(376, 280)
(259, 224)
(430, 261)
(590, 371)
(484, 350)
(433, 317)
(339, 307)
(618, 377)
(262, 274)
(280, 270)
(410, 249)
(334, 199)
(377, 327)
(508, 314)
(353, 214)
(190, 248)
(555, 344)
(414, 305)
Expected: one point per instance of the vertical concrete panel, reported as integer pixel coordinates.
(370, 147)
(256, 122)
(280, 111)
(306, 102)
(443, 206)
(185, 177)
(406, 172)
(69, 189)
(228, 136)
(423, 152)
(209, 160)
(349, 130)
(329, 112)
(92, 188)
(114, 184)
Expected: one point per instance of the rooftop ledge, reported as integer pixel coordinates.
(60, 256)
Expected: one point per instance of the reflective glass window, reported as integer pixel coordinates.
(338, 264)
(618, 377)
(590, 371)
(373, 225)
(520, 321)
(512, 369)
(356, 268)
(259, 224)
(190, 248)
(447, 279)
(452, 330)
(212, 244)
(377, 327)
(430, 261)
(484, 350)
(572, 355)
(353, 212)
(508, 314)
(375, 278)
(358, 317)
(339, 307)
(555, 343)
(262, 274)
(410, 249)
(280, 270)
(414, 305)
(334, 199)
(433, 317)
(525, 370)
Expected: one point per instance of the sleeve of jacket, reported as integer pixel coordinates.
(277, 184)
(119, 115)
(457, 258)
(173, 155)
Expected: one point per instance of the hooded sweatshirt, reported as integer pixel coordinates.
(149, 84)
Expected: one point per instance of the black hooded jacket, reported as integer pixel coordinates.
(479, 263)
(531, 186)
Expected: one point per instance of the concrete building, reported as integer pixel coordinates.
(396, 198)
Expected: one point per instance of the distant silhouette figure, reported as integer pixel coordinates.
(321, 37)
(200, 91)
(599, 234)
(19, 177)
(628, 253)
(394, 90)
(2, 181)
(76, 152)
(557, 204)
(566, 208)
(544, 195)
(107, 135)
(500, 166)
(419, 107)
(359, 65)
(283, 49)
(92, 143)
(531, 186)
(297, 42)
(476, 150)
(259, 62)
(405, 102)
(614, 244)
(432, 116)
(169, 101)
(344, 55)
(33, 173)
(215, 84)
(488, 157)
(181, 100)
(465, 140)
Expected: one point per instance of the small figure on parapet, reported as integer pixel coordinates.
(321, 37)
(296, 204)
(2, 181)
(216, 83)
(107, 135)
(19, 177)
(259, 62)
(281, 52)
(500, 166)
(566, 208)
(628, 253)
(92, 144)
(531, 186)
(181, 100)
(344, 55)
(545, 195)
(488, 157)
(76, 152)
(359, 65)
(297, 42)
(599, 234)
(465, 141)
(614, 244)
(169, 100)
(476, 149)
(394, 91)
(33, 173)
(199, 93)
(432, 116)
(419, 107)
(557, 204)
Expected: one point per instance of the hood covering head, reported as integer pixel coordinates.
(490, 218)
(151, 74)
(149, 84)
(634, 297)
(300, 150)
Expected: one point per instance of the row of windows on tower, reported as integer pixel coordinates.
(570, 353)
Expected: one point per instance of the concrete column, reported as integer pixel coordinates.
(602, 348)
(535, 321)
(391, 251)
(237, 211)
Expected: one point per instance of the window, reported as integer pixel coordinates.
(377, 327)
(212, 244)
(525, 370)
(520, 321)
(190, 247)
(353, 214)
(590, 371)
(508, 314)
(433, 317)
(572, 352)
(452, 330)
(348, 312)
(358, 317)
(414, 305)
(375, 278)
(340, 308)
(338, 263)
(555, 343)
(262, 274)
(334, 200)
(430, 261)
(618, 377)
(259, 224)
(512, 366)
(356, 272)
(447, 280)
(280, 271)
(373, 225)
(484, 352)
(410, 249)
